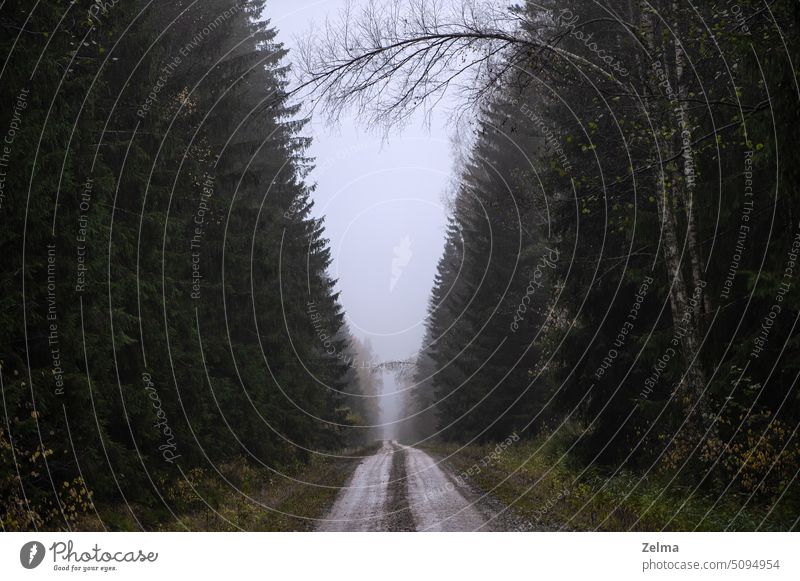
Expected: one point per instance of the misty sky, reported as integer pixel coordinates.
(383, 202)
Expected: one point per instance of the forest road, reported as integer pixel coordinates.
(400, 488)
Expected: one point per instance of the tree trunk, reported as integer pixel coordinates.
(686, 191)
(685, 321)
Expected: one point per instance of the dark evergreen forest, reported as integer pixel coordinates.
(620, 271)
(155, 220)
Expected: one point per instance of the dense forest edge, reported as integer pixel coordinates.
(155, 210)
(618, 283)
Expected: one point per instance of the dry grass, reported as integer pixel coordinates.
(253, 499)
(554, 495)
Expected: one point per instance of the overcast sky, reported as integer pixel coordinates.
(383, 204)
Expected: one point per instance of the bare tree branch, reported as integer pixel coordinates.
(395, 57)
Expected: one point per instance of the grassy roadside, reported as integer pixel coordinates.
(561, 496)
(207, 503)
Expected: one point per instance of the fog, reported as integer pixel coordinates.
(382, 200)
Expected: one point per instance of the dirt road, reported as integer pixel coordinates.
(403, 489)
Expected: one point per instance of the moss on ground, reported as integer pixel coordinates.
(547, 488)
